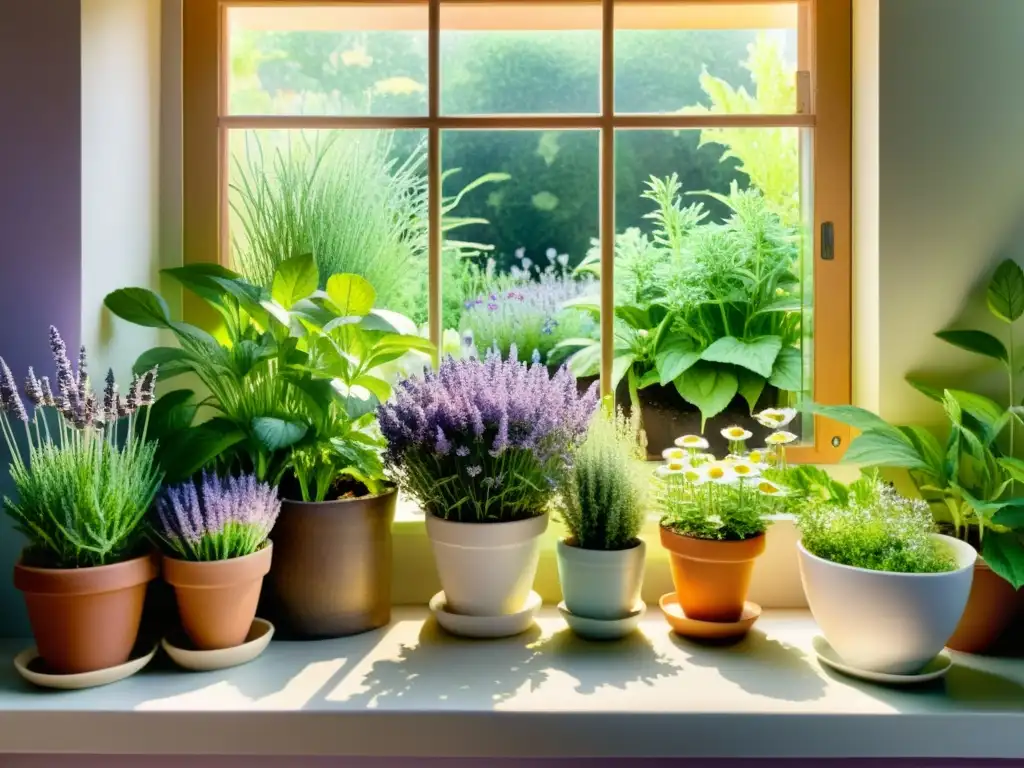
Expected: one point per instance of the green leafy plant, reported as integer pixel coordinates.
(727, 499)
(874, 528)
(82, 489)
(602, 495)
(970, 479)
(713, 309)
(293, 377)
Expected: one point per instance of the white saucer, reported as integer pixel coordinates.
(30, 666)
(485, 626)
(933, 670)
(184, 655)
(603, 629)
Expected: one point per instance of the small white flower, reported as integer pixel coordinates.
(673, 454)
(736, 434)
(671, 468)
(718, 472)
(692, 441)
(780, 438)
(744, 469)
(756, 456)
(776, 418)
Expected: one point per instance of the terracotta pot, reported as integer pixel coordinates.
(331, 574)
(893, 623)
(217, 599)
(711, 577)
(990, 610)
(86, 619)
(486, 569)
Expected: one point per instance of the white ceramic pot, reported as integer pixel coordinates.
(486, 569)
(601, 584)
(894, 623)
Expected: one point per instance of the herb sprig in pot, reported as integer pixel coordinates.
(214, 533)
(84, 477)
(481, 445)
(601, 561)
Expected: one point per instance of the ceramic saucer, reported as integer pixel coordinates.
(185, 655)
(31, 667)
(603, 629)
(933, 670)
(707, 630)
(485, 626)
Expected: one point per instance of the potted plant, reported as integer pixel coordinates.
(713, 522)
(216, 553)
(601, 561)
(294, 375)
(481, 444)
(885, 588)
(83, 485)
(973, 479)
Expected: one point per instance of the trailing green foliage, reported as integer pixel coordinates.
(971, 478)
(294, 377)
(602, 495)
(875, 528)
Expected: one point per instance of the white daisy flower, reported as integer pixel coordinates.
(756, 457)
(671, 468)
(744, 469)
(780, 438)
(768, 488)
(736, 434)
(717, 472)
(673, 454)
(776, 418)
(692, 441)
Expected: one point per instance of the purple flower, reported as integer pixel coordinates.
(462, 451)
(492, 307)
(10, 399)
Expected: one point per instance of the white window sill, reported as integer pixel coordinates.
(410, 690)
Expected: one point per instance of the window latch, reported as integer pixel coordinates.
(828, 241)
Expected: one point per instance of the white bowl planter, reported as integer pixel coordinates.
(601, 584)
(486, 569)
(893, 623)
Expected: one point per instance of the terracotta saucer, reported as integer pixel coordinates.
(485, 626)
(185, 655)
(603, 629)
(707, 630)
(31, 667)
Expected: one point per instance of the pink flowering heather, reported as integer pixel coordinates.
(216, 519)
(484, 441)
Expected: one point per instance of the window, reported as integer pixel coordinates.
(618, 186)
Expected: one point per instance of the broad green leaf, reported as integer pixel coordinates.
(171, 361)
(634, 317)
(389, 322)
(295, 279)
(788, 372)
(586, 362)
(783, 304)
(184, 453)
(750, 386)
(986, 412)
(757, 355)
(198, 278)
(933, 393)
(883, 449)
(979, 342)
(928, 447)
(621, 363)
(1014, 467)
(1011, 516)
(586, 304)
(139, 306)
(858, 418)
(276, 434)
(380, 388)
(358, 399)
(708, 387)
(1004, 553)
(674, 357)
(172, 412)
(351, 294)
(649, 379)
(1006, 291)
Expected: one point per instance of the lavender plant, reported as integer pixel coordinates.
(602, 494)
(83, 482)
(484, 440)
(216, 519)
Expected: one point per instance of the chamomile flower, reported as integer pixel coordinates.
(744, 469)
(695, 442)
(671, 468)
(780, 438)
(736, 434)
(775, 418)
(756, 457)
(717, 472)
(673, 454)
(768, 488)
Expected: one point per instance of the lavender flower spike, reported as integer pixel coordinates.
(67, 387)
(48, 400)
(109, 393)
(9, 397)
(147, 389)
(33, 390)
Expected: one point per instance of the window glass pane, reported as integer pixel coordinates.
(722, 58)
(520, 58)
(513, 250)
(709, 256)
(356, 200)
(328, 60)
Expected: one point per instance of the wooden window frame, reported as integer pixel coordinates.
(826, 52)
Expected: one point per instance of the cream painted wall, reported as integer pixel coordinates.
(950, 184)
(123, 116)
